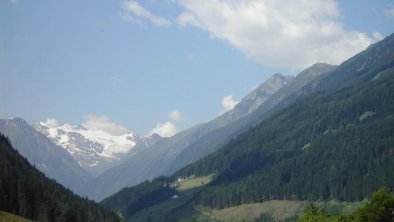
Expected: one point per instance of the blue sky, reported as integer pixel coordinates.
(166, 65)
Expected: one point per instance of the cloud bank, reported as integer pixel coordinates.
(297, 33)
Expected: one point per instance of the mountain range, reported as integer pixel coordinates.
(331, 139)
(155, 160)
(111, 162)
(170, 154)
(95, 150)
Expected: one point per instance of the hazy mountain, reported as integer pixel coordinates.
(26, 192)
(333, 141)
(154, 160)
(46, 156)
(253, 100)
(95, 150)
(218, 137)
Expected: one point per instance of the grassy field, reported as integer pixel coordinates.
(7, 217)
(278, 209)
(194, 182)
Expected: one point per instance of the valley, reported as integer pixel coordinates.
(197, 111)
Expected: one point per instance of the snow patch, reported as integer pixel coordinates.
(90, 147)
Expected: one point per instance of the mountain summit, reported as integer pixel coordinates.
(254, 99)
(95, 150)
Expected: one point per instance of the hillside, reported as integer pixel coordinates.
(7, 217)
(277, 101)
(162, 157)
(325, 146)
(54, 161)
(333, 142)
(26, 192)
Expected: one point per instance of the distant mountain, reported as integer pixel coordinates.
(154, 160)
(26, 192)
(46, 156)
(95, 150)
(333, 141)
(277, 101)
(253, 100)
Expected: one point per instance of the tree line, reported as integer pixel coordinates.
(26, 192)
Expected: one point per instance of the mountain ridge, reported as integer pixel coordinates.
(95, 150)
(167, 149)
(273, 103)
(51, 159)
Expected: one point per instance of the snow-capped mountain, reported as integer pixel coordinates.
(46, 156)
(96, 150)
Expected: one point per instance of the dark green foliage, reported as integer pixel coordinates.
(154, 201)
(313, 213)
(128, 201)
(26, 192)
(379, 209)
(166, 211)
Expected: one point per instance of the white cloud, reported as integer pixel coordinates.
(297, 33)
(176, 115)
(133, 11)
(103, 123)
(166, 129)
(14, 1)
(377, 36)
(52, 123)
(228, 103)
(389, 10)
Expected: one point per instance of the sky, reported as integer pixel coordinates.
(162, 66)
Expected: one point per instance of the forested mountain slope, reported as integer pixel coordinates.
(26, 192)
(334, 142)
(219, 137)
(337, 146)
